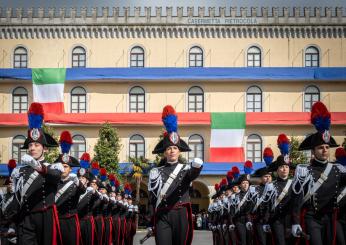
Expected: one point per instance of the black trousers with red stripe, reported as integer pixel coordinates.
(99, 230)
(70, 230)
(87, 227)
(172, 227)
(116, 229)
(41, 227)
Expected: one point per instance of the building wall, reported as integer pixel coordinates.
(230, 96)
(173, 52)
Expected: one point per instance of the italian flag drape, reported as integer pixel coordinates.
(48, 88)
(227, 135)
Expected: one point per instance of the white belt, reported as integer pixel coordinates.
(319, 182)
(168, 183)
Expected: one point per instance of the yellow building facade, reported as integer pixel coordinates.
(227, 38)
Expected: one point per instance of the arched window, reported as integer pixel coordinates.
(311, 95)
(20, 58)
(254, 148)
(19, 100)
(254, 57)
(137, 146)
(196, 99)
(78, 100)
(312, 57)
(78, 57)
(196, 144)
(194, 193)
(137, 57)
(78, 147)
(254, 99)
(196, 57)
(17, 144)
(137, 99)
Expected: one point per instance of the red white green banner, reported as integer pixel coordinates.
(227, 136)
(48, 88)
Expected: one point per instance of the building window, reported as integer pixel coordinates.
(311, 95)
(196, 144)
(196, 57)
(254, 57)
(196, 99)
(17, 151)
(19, 100)
(254, 99)
(78, 57)
(137, 99)
(78, 147)
(312, 57)
(137, 57)
(137, 146)
(78, 100)
(254, 148)
(20, 58)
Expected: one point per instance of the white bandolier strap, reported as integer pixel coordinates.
(5, 204)
(241, 203)
(29, 182)
(62, 190)
(283, 193)
(341, 196)
(168, 183)
(319, 182)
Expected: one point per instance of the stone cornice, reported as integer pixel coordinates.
(120, 32)
(227, 23)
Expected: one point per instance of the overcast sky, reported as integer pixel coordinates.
(174, 3)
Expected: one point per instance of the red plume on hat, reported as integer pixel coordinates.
(217, 187)
(95, 168)
(320, 117)
(236, 172)
(268, 155)
(103, 174)
(223, 182)
(11, 165)
(85, 160)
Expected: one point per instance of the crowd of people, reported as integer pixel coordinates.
(306, 208)
(46, 203)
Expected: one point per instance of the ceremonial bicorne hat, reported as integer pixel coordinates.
(35, 132)
(66, 142)
(284, 159)
(321, 119)
(171, 136)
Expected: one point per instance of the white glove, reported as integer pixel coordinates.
(248, 226)
(11, 230)
(296, 230)
(113, 199)
(29, 160)
(105, 197)
(231, 227)
(75, 179)
(99, 194)
(197, 163)
(266, 228)
(90, 189)
(57, 166)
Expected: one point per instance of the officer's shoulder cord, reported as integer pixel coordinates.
(155, 182)
(302, 177)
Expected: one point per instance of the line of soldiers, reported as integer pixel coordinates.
(308, 208)
(48, 204)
